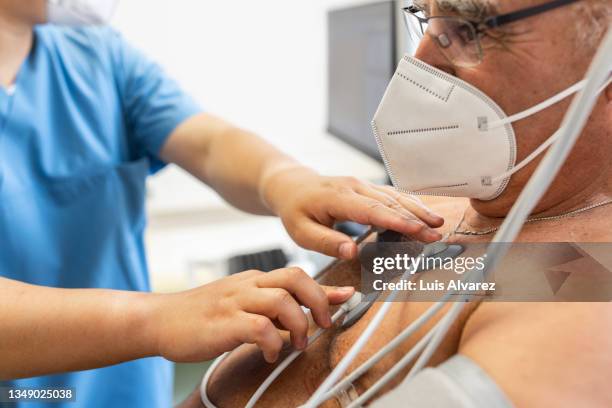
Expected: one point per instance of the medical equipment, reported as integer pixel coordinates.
(574, 121)
(362, 307)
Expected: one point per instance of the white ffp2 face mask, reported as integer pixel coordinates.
(80, 12)
(439, 135)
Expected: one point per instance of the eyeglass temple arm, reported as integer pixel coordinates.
(413, 10)
(502, 19)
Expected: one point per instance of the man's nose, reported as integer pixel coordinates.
(429, 52)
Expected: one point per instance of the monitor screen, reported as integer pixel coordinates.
(361, 58)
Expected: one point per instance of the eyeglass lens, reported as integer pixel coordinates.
(455, 37)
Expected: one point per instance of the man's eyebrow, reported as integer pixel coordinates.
(476, 10)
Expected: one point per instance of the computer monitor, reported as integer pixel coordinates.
(363, 47)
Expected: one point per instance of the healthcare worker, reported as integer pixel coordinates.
(84, 119)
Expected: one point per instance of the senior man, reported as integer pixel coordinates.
(524, 354)
(84, 119)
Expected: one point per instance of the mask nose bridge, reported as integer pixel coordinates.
(429, 81)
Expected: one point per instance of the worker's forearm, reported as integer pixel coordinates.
(48, 330)
(234, 162)
(240, 166)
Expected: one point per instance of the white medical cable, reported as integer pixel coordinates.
(203, 391)
(439, 333)
(345, 308)
(393, 344)
(389, 375)
(537, 151)
(429, 342)
(571, 127)
(365, 336)
(352, 303)
(317, 397)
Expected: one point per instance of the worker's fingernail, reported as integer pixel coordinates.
(433, 234)
(271, 358)
(431, 213)
(346, 289)
(302, 343)
(437, 216)
(327, 322)
(346, 250)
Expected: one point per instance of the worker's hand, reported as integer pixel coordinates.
(309, 206)
(249, 307)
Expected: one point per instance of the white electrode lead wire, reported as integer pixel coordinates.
(341, 368)
(287, 361)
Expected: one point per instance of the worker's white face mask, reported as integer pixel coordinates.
(440, 135)
(80, 12)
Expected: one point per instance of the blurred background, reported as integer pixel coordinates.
(307, 76)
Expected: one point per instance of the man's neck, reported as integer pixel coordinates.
(15, 43)
(597, 192)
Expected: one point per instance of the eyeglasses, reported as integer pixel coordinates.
(459, 38)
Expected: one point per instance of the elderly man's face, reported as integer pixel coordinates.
(525, 63)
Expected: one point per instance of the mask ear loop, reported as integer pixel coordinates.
(539, 107)
(543, 146)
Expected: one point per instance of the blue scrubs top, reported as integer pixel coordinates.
(78, 137)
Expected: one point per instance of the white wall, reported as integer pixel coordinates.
(260, 64)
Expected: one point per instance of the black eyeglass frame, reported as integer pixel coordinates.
(502, 19)
(494, 21)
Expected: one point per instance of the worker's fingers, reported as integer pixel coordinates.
(390, 202)
(308, 292)
(259, 330)
(403, 202)
(279, 304)
(312, 235)
(369, 211)
(426, 233)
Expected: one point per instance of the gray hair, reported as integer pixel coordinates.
(597, 16)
